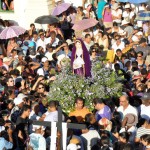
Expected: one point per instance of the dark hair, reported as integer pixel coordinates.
(9, 91)
(118, 50)
(144, 71)
(125, 135)
(140, 52)
(34, 32)
(105, 140)
(32, 24)
(97, 101)
(115, 24)
(128, 146)
(141, 122)
(81, 8)
(79, 99)
(88, 117)
(53, 104)
(146, 138)
(91, 49)
(87, 35)
(25, 108)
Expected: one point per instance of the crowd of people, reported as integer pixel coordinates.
(29, 63)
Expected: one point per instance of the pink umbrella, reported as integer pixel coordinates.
(84, 24)
(60, 9)
(12, 31)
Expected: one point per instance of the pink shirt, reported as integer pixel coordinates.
(107, 16)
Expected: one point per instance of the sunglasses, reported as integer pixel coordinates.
(139, 56)
(29, 78)
(41, 88)
(94, 51)
(12, 81)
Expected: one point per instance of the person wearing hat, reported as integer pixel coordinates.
(143, 46)
(18, 104)
(145, 106)
(127, 28)
(6, 62)
(128, 15)
(116, 13)
(41, 41)
(37, 141)
(19, 60)
(129, 124)
(44, 71)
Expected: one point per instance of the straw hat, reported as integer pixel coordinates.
(132, 119)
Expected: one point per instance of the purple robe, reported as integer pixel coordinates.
(86, 58)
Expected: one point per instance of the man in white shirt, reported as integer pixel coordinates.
(42, 41)
(145, 107)
(88, 42)
(52, 39)
(118, 44)
(125, 107)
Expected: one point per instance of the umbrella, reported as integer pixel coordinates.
(123, 1)
(60, 9)
(47, 19)
(144, 16)
(11, 22)
(84, 24)
(10, 32)
(138, 1)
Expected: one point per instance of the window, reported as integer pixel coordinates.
(7, 5)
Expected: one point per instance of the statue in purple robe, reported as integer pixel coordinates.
(80, 59)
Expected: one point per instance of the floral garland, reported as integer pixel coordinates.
(67, 87)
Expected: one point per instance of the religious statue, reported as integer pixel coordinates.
(80, 59)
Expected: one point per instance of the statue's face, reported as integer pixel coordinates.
(78, 44)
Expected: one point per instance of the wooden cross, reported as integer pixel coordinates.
(59, 127)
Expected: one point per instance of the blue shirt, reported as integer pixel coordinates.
(5, 144)
(104, 113)
(101, 5)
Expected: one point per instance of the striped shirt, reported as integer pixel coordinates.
(141, 131)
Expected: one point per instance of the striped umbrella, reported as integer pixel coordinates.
(144, 16)
(84, 24)
(137, 1)
(12, 31)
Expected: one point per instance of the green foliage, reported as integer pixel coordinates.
(67, 87)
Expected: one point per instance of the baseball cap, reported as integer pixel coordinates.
(146, 96)
(44, 59)
(18, 101)
(21, 95)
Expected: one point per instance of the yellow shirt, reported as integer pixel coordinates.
(80, 114)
